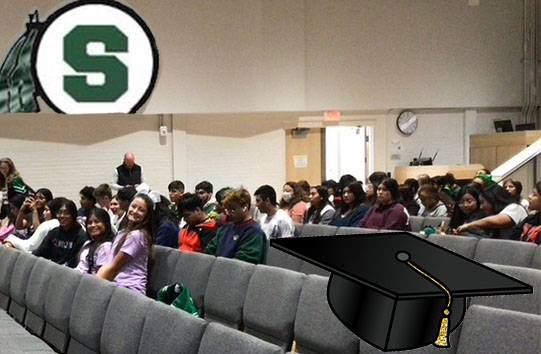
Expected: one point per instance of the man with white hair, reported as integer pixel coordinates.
(128, 174)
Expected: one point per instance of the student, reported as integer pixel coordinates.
(220, 209)
(176, 193)
(514, 188)
(241, 238)
(124, 197)
(529, 230)
(30, 215)
(353, 209)
(503, 213)
(321, 210)
(8, 225)
(199, 229)
(166, 223)
(88, 202)
(51, 221)
(63, 243)
(127, 264)
(467, 209)
(292, 202)
(96, 250)
(274, 221)
(407, 198)
(431, 205)
(204, 191)
(387, 214)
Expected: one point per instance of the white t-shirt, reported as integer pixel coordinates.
(515, 211)
(280, 225)
(439, 211)
(37, 237)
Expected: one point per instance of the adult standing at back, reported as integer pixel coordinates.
(128, 174)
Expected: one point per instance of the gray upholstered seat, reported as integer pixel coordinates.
(497, 331)
(317, 329)
(226, 290)
(124, 322)
(309, 268)
(193, 270)
(298, 229)
(58, 304)
(271, 304)
(277, 258)
(529, 303)
(166, 259)
(8, 258)
(416, 223)
(434, 221)
(19, 281)
(505, 252)
(88, 313)
(310, 230)
(463, 245)
(225, 340)
(169, 330)
(536, 258)
(36, 293)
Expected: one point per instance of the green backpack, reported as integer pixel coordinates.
(178, 296)
(17, 84)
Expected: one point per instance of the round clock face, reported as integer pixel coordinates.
(407, 122)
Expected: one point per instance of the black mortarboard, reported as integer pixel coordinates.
(395, 290)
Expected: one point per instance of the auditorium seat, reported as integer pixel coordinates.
(165, 259)
(529, 303)
(58, 304)
(14, 339)
(277, 258)
(309, 268)
(193, 270)
(36, 293)
(226, 291)
(88, 314)
(298, 229)
(170, 330)
(225, 340)
(497, 331)
(19, 282)
(317, 330)
(8, 258)
(124, 321)
(416, 223)
(505, 252)
(434, 221)
(463, 245)
(310, 230)
(536, 259)
(271, 304)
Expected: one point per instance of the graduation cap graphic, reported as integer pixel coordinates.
(395, 290)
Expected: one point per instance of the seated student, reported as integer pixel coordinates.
(8, 224)
(220, 197)
(199, 229)
(431, 205)
(407, 198)
(274, 222)
(204, 191)
(320, 211)
(88, 202)
(176, 192)
(104, 195)
(128, 261)
(514, 188)
(51, 221)
(353, 209)
(166, 223)
(529, 230)
(503, 213)
(100, 236)
(116, 213)
(387, 214)
(30, 215)
(305, 186)
(292, 202)
(371, 196)
(124, 197)
(467, 209)
(63, 243)
(241, 238)
(332, 188)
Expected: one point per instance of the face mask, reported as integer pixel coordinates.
(286, 196)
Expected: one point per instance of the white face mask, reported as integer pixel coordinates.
(286, 196)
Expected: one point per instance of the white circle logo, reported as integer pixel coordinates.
(95, 57)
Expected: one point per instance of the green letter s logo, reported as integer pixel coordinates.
(75, 54)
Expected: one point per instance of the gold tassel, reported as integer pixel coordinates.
(443, 337)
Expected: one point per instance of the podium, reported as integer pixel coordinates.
(461, 172)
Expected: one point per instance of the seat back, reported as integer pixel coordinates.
(193, 270)
(19, 281)
(536, 259)
(310, 230)
(277, 258)
(317, 329)
(226, 291)
(36, 293)
(225, 340)
(58, 304)
(434, 221)
(169, 330)
(271, 304)
(309, 268)
(498, 331)
(124, 322)
(463, 245)
(88, 314)
(165, 260)
(505, 252)
(7, 263)
(416, 223)
(529, 303)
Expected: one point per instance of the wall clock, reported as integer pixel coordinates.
(407, 122)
